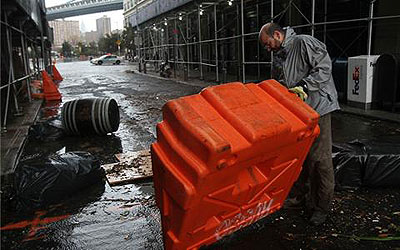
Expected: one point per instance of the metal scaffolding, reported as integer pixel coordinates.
(215, 35)
(24, 55)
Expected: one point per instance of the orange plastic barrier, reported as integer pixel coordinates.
(57, 78)
(226, 158)
(50, 90)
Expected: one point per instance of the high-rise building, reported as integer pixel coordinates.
(91, 36)
(103, 25)
(65, 31)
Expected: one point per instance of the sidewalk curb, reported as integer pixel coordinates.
(386, 116)
(173, 79)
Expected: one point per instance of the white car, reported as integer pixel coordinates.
(107, 59)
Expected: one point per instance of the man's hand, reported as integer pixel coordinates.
(299, 91)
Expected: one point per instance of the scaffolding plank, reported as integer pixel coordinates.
(13, 141)
(132, 166)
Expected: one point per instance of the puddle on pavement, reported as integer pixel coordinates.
(99, 217)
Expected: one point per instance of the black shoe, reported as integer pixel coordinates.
(294, 203)
(318, 218)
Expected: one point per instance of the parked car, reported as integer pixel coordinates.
(107, 59)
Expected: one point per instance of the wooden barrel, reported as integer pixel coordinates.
(90, 116)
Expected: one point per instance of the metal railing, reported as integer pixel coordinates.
(82, 7)
(79, 4)
(13, 94)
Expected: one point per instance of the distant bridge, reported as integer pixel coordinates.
(82, 7)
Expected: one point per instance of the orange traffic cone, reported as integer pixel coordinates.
(56, 75)
(50, 90)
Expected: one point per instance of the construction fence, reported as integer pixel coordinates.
(218, 40)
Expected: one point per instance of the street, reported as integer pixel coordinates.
(126, 217)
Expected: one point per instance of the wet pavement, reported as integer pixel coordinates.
(125, 217)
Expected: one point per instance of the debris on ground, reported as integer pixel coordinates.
(40, 181)
(132, 166)
(48, 130)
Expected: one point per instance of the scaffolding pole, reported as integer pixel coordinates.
(26, 64)
(243, 52)
(175, 47)
(258, 47)
(200, 50)
(167, 30)
(224, 69)
(4, 125)
(312, 17)
(325, 18)
(187, 47)
(216, 43)
(371, 16)
(272, 53)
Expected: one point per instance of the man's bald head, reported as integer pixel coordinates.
(271, 36)
(270, 28)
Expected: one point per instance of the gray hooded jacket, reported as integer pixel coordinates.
(304, 59)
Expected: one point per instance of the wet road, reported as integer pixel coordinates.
(140, 98)
(125, 217)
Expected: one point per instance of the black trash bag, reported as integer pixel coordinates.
(383, 165)
(349, 161)
(49, 130)
(43, 181)
(366, 163)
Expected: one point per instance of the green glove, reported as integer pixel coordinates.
(299, 91)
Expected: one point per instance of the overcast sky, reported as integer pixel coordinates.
(88, 22)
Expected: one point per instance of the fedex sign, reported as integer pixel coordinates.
(360, 72)
(356, 81)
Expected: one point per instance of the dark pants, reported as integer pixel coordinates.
(316, 181)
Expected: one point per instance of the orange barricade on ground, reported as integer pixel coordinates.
(50, 90)
(57, 78)
(226, 158)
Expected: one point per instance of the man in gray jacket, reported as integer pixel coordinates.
(302, 64)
